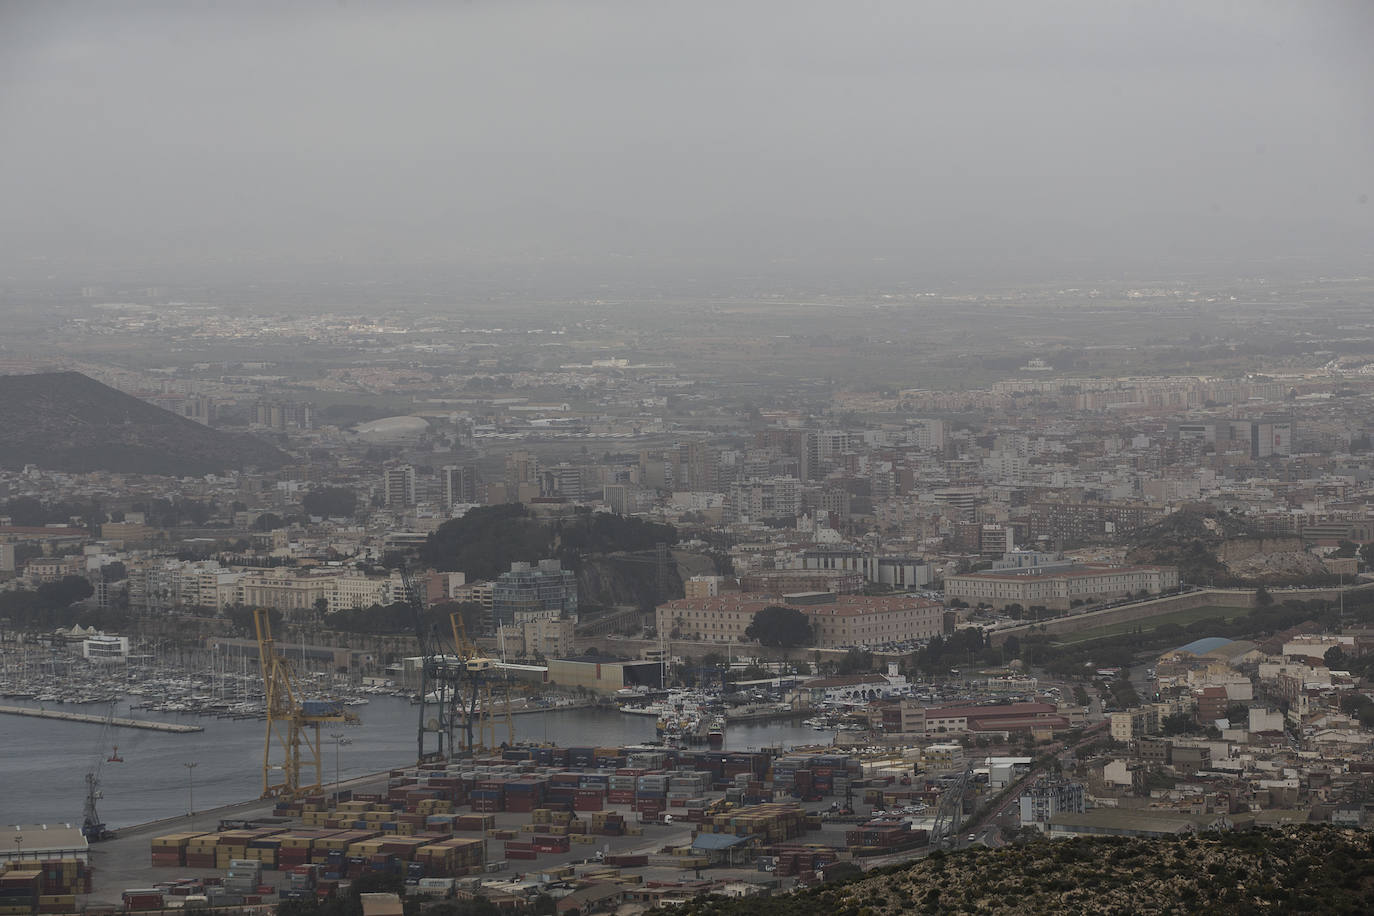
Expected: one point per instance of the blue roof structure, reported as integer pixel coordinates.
(1203, 646)
(717, 841)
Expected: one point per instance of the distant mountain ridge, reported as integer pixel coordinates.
(67, 421)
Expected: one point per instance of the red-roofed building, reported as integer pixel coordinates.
(1007, 717)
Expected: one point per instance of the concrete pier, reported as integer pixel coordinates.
(173, 727)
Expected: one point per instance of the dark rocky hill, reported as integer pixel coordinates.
(611, 555)
(66, 421)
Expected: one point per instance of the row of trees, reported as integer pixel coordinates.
(376, 620)
(174, 512)
(29, 511)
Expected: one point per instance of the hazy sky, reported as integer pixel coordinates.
(705, 135)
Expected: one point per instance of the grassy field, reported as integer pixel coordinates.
(1182, 618)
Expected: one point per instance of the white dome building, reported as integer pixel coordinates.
(392, 429)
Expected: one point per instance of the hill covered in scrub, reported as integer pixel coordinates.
(596, 546)
(1297, 869)
(65, 421)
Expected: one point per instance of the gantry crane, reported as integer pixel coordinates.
(458, 714)
(441, 680)
(482, 714)
(293, 723)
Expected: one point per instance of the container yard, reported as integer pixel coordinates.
(641, 816)
(43, 886)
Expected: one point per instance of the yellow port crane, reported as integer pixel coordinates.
(293, 723)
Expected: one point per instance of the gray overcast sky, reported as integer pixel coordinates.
(695, 134)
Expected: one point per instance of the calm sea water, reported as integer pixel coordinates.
(43, 762)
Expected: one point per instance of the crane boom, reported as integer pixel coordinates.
(92, 827)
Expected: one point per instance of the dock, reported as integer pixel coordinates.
(173, 727)
(768, 715)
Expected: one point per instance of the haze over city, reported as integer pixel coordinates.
(711, 459)
(614, 142)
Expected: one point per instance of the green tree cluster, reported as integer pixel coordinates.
(179, 510)
(47, 607)
(241, 616)
(855, 661)
(780, 626)
(962, 647)
(485, 541)
(330, 502)
(31, 512)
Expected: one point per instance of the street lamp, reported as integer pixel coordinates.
(190, 791)
(339, 740)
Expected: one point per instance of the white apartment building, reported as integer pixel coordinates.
(773, 497)
(163, 584)
(1048, 797)
(549, 638)
(290, 591)
(105, 649)
(353, 592)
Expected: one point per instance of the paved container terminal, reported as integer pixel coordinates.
(124, 862)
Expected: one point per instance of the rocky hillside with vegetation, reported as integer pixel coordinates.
(65, 421)
(1289, 870)
(1212, 547)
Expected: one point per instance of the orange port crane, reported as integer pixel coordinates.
(293, 723)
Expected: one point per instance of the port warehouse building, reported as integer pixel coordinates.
(604, 675)
(1057, 587)
(37, 843)
(836, 620)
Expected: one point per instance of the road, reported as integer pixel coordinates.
(989, 824)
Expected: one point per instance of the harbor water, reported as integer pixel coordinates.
(43, 762)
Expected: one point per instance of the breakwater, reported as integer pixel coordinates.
(178, 728)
